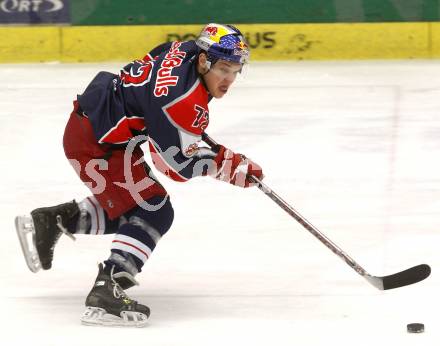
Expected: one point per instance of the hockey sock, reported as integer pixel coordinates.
(94, 220)
(137, 238)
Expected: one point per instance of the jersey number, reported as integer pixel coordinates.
(139, 74)
(202, 118)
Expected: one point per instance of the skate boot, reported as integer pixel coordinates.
(108, 305)
(44, 227)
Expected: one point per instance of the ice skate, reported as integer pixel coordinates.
(39, 233)
(108, 305)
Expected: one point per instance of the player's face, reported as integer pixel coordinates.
(221, 76)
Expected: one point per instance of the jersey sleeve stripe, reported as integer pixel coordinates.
(121, 132)
(163, 166)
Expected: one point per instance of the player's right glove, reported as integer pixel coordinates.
(235, 168)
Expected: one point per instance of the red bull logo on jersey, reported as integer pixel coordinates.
(164, 78)
(191, 150)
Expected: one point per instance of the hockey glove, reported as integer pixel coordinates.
(235, 168)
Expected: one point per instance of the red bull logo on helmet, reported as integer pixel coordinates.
(241, 45)
(212, 30)
(224, 42)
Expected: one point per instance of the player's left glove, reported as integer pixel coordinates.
(235, 168)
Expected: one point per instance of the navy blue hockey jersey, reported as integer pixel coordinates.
(161, 96)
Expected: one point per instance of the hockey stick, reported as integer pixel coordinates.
(407, 277)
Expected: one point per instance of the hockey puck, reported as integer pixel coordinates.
(415, 328)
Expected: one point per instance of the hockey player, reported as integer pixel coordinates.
(162, 98)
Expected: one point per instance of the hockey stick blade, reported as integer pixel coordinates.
(404, 278)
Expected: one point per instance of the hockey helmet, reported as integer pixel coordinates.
(224, 42)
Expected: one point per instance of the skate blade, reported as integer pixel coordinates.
(26, 234)
(94, 316)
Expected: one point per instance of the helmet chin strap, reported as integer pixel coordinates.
(202, 75)
(207, 66)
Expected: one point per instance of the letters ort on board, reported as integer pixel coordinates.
(34, 11)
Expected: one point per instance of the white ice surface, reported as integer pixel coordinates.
(354, 146)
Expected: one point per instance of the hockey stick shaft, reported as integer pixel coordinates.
(298, 217)
(400, 279)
